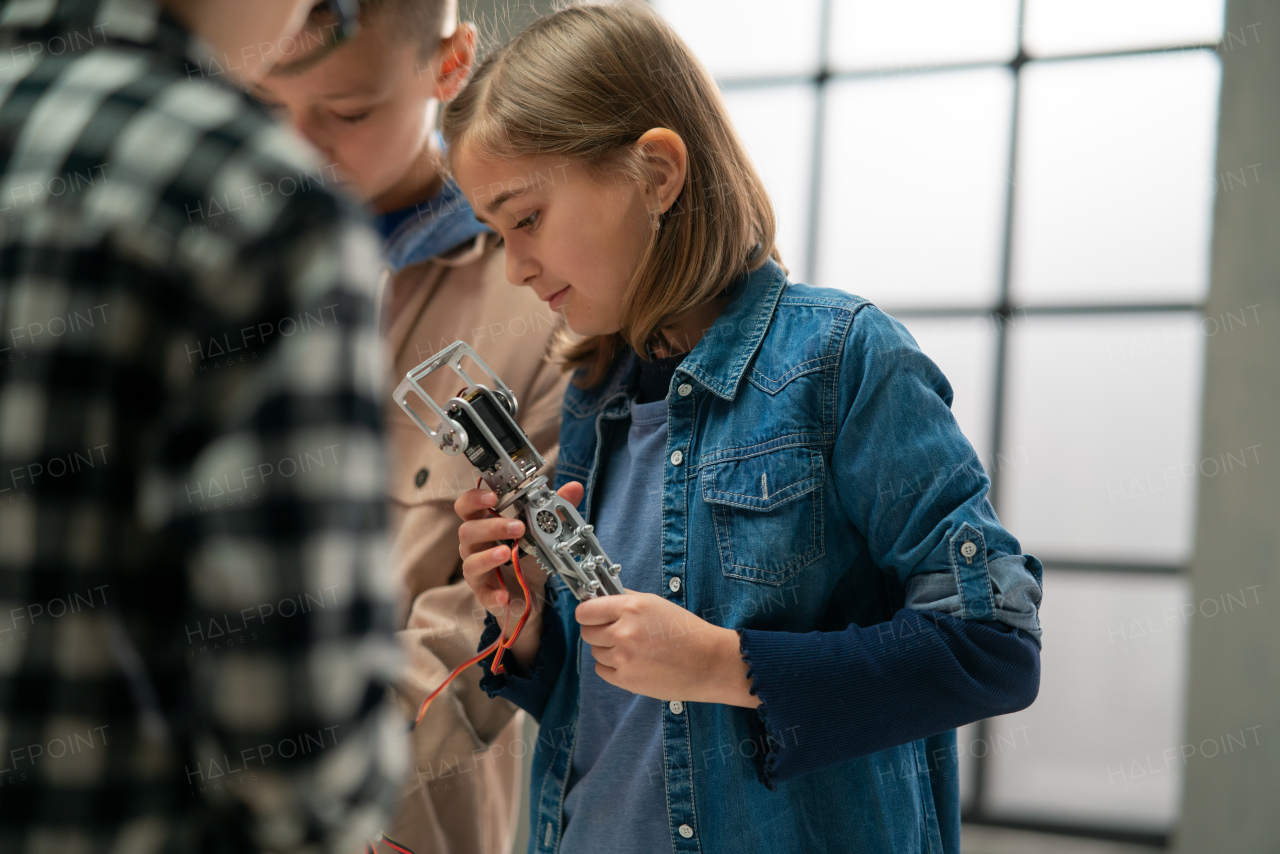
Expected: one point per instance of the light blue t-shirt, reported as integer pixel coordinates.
(616, 800)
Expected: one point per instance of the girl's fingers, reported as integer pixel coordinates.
(475, 503)
(480, 533)
(477, 567)
(478, 570)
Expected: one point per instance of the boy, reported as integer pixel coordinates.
(197, 612)
(369, 106)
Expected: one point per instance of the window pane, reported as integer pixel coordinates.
(1101, 742)
(868, 34)
(1115, 179)
(1101, 431)
(965, 350)
(748, 38)
(914, 188)
(784, 160)
(1055, 27)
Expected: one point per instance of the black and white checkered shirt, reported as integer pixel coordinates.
(195, 601)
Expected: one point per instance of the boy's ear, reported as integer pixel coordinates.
(452, 64)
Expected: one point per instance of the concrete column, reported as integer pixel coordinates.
(1231, 800)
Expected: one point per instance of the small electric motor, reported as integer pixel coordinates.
(480, 422)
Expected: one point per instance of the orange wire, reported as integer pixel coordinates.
(498, 644)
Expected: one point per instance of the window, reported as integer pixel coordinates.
(1028, 185)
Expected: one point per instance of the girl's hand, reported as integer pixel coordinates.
(482, 541)
(647, 645)
(483, 555)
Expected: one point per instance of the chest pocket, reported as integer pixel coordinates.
(767, 510)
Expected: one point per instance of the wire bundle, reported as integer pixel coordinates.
(370, 847)
(502, 644)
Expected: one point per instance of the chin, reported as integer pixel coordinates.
(589, 325)
(585, 330)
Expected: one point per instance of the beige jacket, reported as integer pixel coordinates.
(465, 794)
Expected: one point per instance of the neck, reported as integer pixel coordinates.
(685, 333)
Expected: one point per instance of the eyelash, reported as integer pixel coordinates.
(530, 220)
(351, 120)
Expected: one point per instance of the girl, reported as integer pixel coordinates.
(819, 591)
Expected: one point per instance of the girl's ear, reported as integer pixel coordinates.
(452, 64)
(664, 154)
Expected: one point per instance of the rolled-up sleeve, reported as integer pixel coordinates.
(967, 643)
(912, 483)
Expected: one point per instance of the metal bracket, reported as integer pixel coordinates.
(480, 423)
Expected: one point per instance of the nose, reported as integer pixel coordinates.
(522, 268)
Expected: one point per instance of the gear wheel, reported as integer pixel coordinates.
(547, 521)
(542, 560)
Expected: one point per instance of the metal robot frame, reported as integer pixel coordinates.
(480, 422)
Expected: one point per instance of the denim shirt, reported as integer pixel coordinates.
(814, 478)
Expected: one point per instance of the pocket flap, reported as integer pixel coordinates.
(763, 481)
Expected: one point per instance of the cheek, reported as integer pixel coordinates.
(397, 136)
(353, 148)
(617, 243)
(378, 151)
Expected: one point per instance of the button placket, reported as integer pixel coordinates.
(676, 735)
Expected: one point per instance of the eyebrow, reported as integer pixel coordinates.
(500, 200)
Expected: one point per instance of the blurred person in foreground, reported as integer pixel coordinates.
(370, 105)
(195, 601)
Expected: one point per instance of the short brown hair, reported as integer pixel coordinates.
(585, 83)
(422, 20)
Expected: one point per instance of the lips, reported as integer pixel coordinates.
(557, 298)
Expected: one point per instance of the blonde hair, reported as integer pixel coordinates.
(585, 83)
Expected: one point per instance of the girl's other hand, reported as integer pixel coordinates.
(648, 645)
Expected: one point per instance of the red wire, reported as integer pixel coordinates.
(396, 845)
(498, 644)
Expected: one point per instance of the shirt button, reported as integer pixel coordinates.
(685, 830)
(676, 707)
(674, 584)
(685, 390)
(677, 458)
(421, 477)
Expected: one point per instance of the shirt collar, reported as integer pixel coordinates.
(429, 228)
(721, 357)
(719, 360)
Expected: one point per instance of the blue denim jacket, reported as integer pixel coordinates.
(815, 478)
